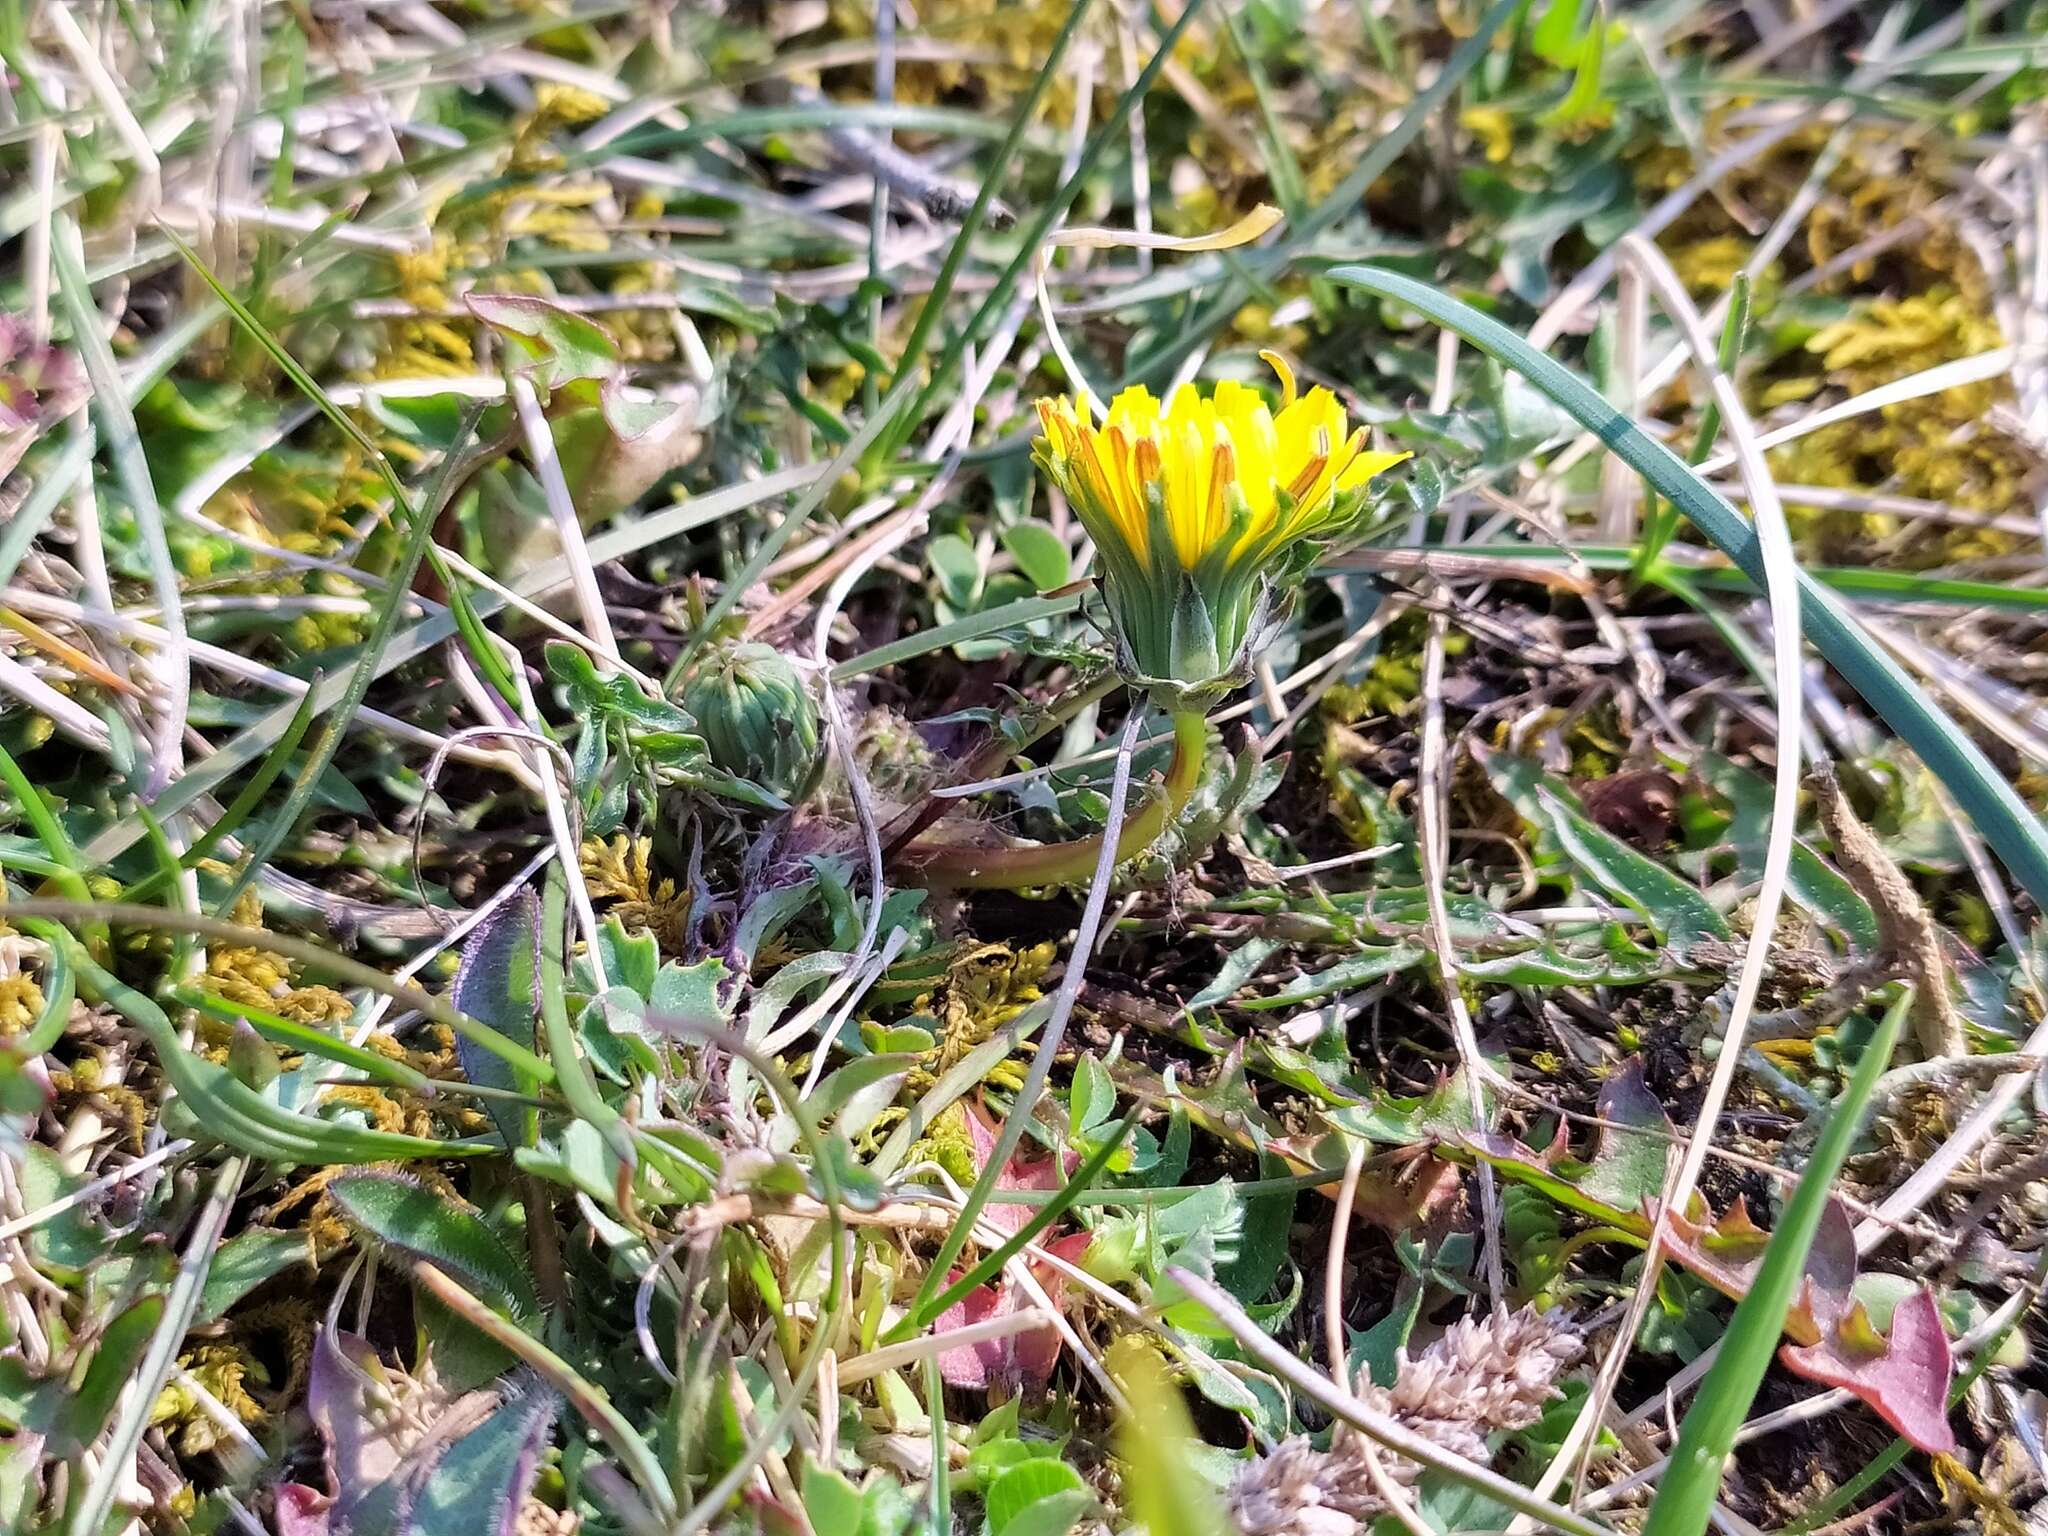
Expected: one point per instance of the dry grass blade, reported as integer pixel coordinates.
(582, 594)
(1788, 673)
(117, 1456)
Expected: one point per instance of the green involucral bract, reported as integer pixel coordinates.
(757, 717)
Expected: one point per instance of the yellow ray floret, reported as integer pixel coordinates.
(1199, 454)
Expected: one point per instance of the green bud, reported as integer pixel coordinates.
(757, 717)
(251, 1058)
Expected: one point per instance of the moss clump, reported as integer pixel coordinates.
(21, 1004)
(223, 1371)
(1938, 447)
(622, 873)
(257, 978)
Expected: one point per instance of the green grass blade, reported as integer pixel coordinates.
(229, 1111)
(60, 987)
(1681, 586)
(305, 1038)
(942, 1483)
(489, 662)
(167, 871)
(304, 381)
(974, 626)
(1734, 331)
(131, 468)
(29, 864)
(1849, 580)
(343, 968)
(251, 793)
(2012, 830)
(453, 471)
(992, 177)
(1283, 170)
(1345, 198)
(1685, 1498)
(1156, 1443)
(998, 297)
(245, 801)
(756, 122)
(927, 1307)
(1899, 587)
(1662, 520)
(246, 747)
(48, 830)
(165, 352)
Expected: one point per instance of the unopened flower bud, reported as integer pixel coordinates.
(757, 717)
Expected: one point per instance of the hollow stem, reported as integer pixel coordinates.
(1010, 869)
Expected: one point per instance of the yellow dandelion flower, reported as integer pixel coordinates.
(21, 1004)
(1493, 128)
(1206, 509)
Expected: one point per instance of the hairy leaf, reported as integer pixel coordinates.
(422, 1224)
(495, 982)
(479, 1484)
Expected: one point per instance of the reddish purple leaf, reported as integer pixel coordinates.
(1726, 1254)
(1022, 1359)
(1904, 1378)
(360, 1453)
(301, 1511)
(39, 387)
(1831, 1267)
(1018, 1174)
(976, 1365)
